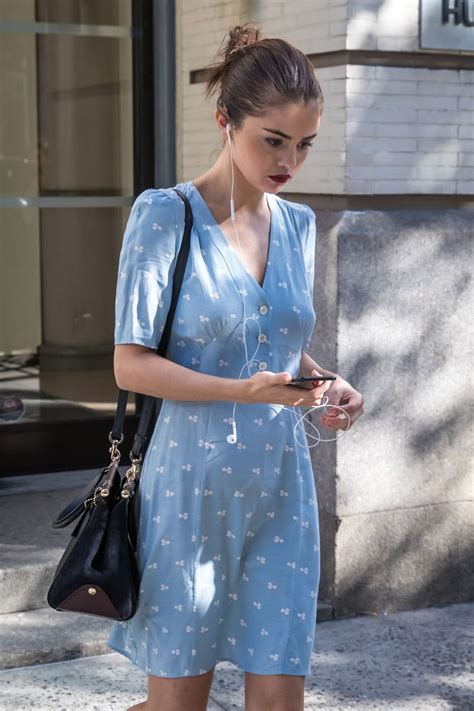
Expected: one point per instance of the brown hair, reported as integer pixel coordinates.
(258, 72)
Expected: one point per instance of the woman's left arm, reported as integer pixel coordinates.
(339, 393)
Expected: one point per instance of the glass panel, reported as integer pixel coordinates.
(66, 115)
(87, 12)
(66, 130)
(57, 287)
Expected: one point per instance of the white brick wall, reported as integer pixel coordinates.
(408, 130)
(384, 129)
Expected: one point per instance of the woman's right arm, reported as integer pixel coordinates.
(139, 369)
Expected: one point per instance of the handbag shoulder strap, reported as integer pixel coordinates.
(151, 404)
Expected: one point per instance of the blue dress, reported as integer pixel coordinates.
(228, 533)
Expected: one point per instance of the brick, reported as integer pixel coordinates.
(335, 86)
(329, 129)
(359, 128)
(382, 144)
(441, 75)
(362, 24)
(415, 159)
(445, 103)
(432, 144)
(335, 101)
(336, 143)
(465, 187)
(395, 130)
(444, 117)
(439, 88)
(380, 172)
(328, 73)
(392, 158)
(354, 158)
(416, 186)
(465, 145)
(465, 173)
(360, 187)
(466, 159)
(430, 173)
(356, 71)
(362, 41)
(333, 158)
(338, 29)
(466, 102)
(397, 44)
(466, 76)
(400, 73)
(362, 85)
(360, 101)
(435, 131)
(384, 115)
(466, 132)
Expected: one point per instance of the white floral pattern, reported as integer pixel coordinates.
(228, 533)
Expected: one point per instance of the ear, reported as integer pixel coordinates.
(221, 121)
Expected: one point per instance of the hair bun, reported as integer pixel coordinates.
(241, 36)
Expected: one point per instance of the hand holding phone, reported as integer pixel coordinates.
(307, 382)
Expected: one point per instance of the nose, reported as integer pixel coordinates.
(290, 161)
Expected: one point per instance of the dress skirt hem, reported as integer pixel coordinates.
(257, 669)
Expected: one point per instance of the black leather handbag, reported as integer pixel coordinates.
(98, 572)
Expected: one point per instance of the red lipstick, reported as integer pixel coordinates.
(280, 178)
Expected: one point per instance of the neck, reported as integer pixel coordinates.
(215, 187)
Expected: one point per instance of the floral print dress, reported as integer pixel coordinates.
(228, 533)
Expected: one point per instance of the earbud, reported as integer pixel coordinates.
(232, 438)
(228, 129)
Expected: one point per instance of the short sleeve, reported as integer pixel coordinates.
(145, 272)
(309, 248)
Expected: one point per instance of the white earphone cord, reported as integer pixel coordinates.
(305, 417)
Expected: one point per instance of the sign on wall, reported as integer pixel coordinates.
(447, 24)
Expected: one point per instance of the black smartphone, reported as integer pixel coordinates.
(301, 381)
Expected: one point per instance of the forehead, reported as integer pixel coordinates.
(292, 118)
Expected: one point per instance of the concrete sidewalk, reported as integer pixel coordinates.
(418, 661)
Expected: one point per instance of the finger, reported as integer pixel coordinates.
(337, 422)
(333, 426)
(320, 386)
(353, 404)
(298, 402)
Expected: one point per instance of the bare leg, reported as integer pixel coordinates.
(274, 692)
(186, 692)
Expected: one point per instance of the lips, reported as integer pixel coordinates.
(280, 178)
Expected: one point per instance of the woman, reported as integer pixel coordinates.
(228, 520)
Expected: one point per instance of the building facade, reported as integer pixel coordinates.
(103, 99)
(391, 179)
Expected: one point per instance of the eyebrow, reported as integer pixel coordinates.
(284, 135)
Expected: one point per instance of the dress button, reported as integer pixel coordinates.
(262, 365)
(263, 309)
(262, 338)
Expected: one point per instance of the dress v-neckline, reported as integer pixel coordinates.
(228, 245)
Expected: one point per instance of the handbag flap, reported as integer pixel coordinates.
(90, 600)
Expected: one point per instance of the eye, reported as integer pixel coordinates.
(274, 142)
